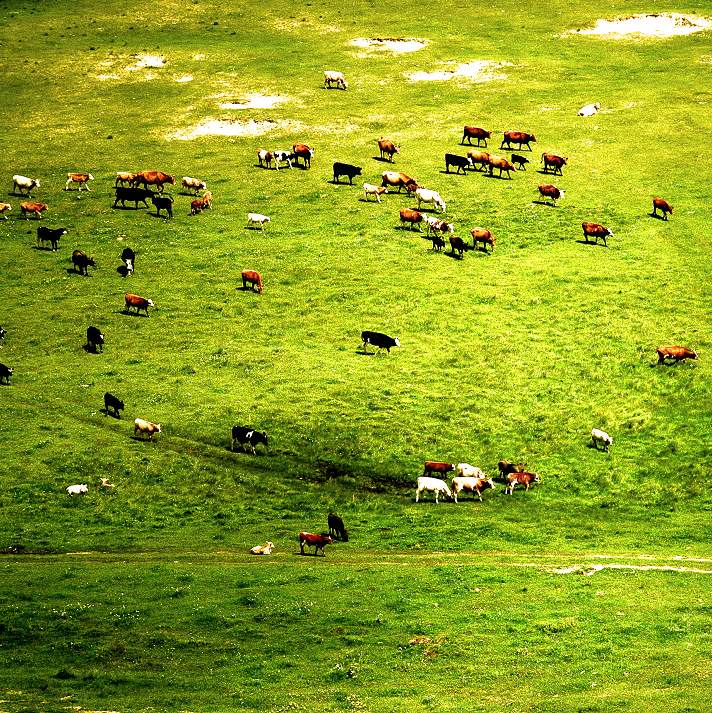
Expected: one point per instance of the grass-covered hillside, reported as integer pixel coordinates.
(515, 354)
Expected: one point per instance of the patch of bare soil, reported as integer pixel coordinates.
(389, 44)
(254, 101)
(234, 127)
(651, 25)
(588, 570)
(477, 71)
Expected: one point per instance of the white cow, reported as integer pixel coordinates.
(142, 426)
(437, 225)
(332, 77)
(193, 184)
(22, 183)
(432, 485)
(599, 436)
(425, 195)
(78, 489)
(257, 219)
(265, 549)
(589, 109)
(372, 190)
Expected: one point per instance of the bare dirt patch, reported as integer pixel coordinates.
(389, 44)
(651, 25)
(145, 61)
(234, 127)
(254, 101)
(184, 78)
(477, 71)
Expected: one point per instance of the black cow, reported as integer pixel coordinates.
(163, 203)
(82, 262)
(336, 527)
(133, 195)
(128, 256)
(244, 435)
(438, 242)
(382, 341)
(3, 332)
(111, 402)
(462, 162)
(520, 161)
(95, 339)
(51, 234)
(345, 169)
(5, 373)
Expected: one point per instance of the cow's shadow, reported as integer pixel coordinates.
(383, 160)
(256, 228)
(549, 173)
(91, 350)
(44, 248)
(245, 288)
(122, 270)
(106, 412)
(74, 271)
(359, 351)
(659, 217)
(591, 242)
(453, 173)
(131, 314)
(499, 178)
(546, 203)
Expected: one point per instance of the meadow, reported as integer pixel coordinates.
(146, 598)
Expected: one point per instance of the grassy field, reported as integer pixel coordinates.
(517, 354)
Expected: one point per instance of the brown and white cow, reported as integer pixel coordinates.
(193, 184)
(474, 132)
(81, 179)
(551, 160)
(484, 236)
(550, 191)
(525, 479)
(5, 208)
(479, 158)
(386, 146)
(517, 137)
(142, 426)
(153, 178)
(596, 231)
(660, 204)
(371, 190)
(412, 217)
(124, 178)
(137, 302)
(318, 542)
(393, 179)
(200, 204)
(31, 207)
(675, 353)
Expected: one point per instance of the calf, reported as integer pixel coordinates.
(304, 152)
(141, 426)
(458, 245)
(137, 302)
(95, 340)
(257, 219)
(501, 163)
(163, 203)
(525, 479)
(201, 204)
(462, 162)
(436, 225)
(5, 373)
(265, 549)
(318, 542)
(5, 208)
(193, 184)
(35, 208)
(551, 160)
(246, 436)
(660, 204)
(438, 242)
(371, 190)
(474, 132)
(517, 137)
(387, 147)
(51, 235)
(479, 158)
(549, 190)
(345, 169)
(596, 231)
(133, 195)
(24, 185)
(331, 77)
(520, 161)
(484, 236)
(81, 179)
(336, 527)
(432, 485)
(82, 262)
(377, 339)
(675, 353)
(599, 437)
(113, 404)
(77, 489)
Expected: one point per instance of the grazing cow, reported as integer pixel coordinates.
(599, 437)
(5, 373)
(517, 137)
(265, 549)
(141, 426)
(436, 466)
(589, 109)
(31, 207)
(336, 527)
(432, 485)
(506, 467)
(137, 302)
(114, 404)
(153, 178)
(386, 146)
(479, 158)
(5, 208)
(425, 195)
(393, 179)
(551, 160)
(377, 339)
(282, 157)
(520, 161)
(81, 179)
(163, 203)
(596, 231)
(130, 194)
(331, 77)
(459, 245)
(413, 217)
(95, 340)
(371, 190)
(484, 236)
(474, 483)
(246, 436)
(663, 206)
(438, 242)
(525, 479)
(502, 164)
(254, 219)
(254, 278)
(675, 353)
(304, 152)
(201, 204)
(24, 185)
(52, 235)
(124, 178)
(82, 262)
(549, 190)
(345, 169)
(436, 225)
(318, 542)
(77, 489)
(462, 162)
(193, 184)
(104, 483)
(3, 332)
(474, 132)
(128, 256)
(265, 158)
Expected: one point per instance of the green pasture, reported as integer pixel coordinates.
(515, 354)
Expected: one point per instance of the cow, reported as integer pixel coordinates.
(153, 178)
(265, 549)
(525, 479)
(246, 436)
(436, 466)
(114, 404)
(331, 77)
(137, 302)
(520, 161)
(675, 353)
(478, 158)
(95, 340)
(257, 219)
(193, 184)
(345, 169)
(81, 179)
(473, 481)
(3, 332)
(265, 158)
(282, 157)
(660, 204)
(462, 162)
(474, 132)
(413, 217)
(371, 190)
(336, 527)
(318, 542)
(201, 204)
(596, 231)
(551, 160)
(459, 245)
(304, 152)
(517, 137)
(104, 483)
(501, 163)
(135, 195)
(387, 147)
(436, 225)
(5, 208)
(393, 179)
(78, 489)
(5, 373)
(141, 426)
(82, 262)
(254, 278)
(124, 178)
(32, 207)
(550, 191)
(588, 109)
(128, 256)
(599, 437)
(377, 339)
(22, 183)
(51, 235)
(484, 236)
(425, 195)
(506, 467)
(432, 485)
(163, 203)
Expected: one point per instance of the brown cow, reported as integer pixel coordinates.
(457, 243)
(548, 190)
(436, 466)
(663, 206)
(410, 216)
(386, 146)
(517, 137)
(481, 158)
(506, 467)
(124, 177)
(153, 178)
(675, 353)
(137, 302)
(525, 479)
(318, 542)
(474, 132)
(391, 179)
(5, 208)
(484, 236)
(82, 179)
(254, 278)
(304, 152)
(551, 160)
(200, 204)
(596, 230)
(82, 262)
(502, 164)
(32, 207)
